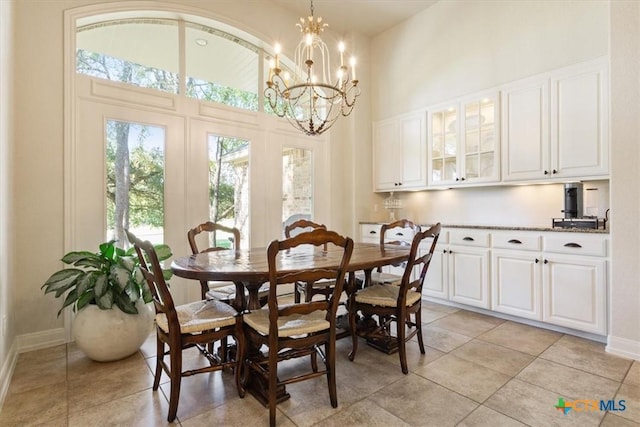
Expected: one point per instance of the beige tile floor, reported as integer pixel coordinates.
(477, 371)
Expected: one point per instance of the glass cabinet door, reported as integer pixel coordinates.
(444, 146)
(480, 141)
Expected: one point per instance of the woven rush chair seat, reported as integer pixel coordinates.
(200, 316)
(198, 324)
(385, 295)
(302, 329)
(400, 304)
(288, 326)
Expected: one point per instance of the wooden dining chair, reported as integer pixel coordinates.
(405, 227)
(222, 291)
(199, 323)
(298, 329)
(309, 289)
(393, 303)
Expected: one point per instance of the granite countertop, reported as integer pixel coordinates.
(511, 228)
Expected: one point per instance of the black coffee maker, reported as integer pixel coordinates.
(573, 200)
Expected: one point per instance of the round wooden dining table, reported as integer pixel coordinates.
(248, 268)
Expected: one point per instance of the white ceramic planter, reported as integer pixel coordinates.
(106, 335)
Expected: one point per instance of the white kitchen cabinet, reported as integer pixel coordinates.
(443, 145)
(525, 130)
(463, 141)
(557, 278)
(436, 282)
(370, 233)
(399, 153)
(469, 275)
(516, 274)
(555, 125)
(579, 121)
(574, 282)
(459, 269)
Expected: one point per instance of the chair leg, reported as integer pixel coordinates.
(314, 361)
(308, 292)
(354, 333)
(273, 383)
(224, 344)
(159, 358)
(239, 365)
(330, 350)
(402, 348)
(296, 293)
(175, 354)
(419, 328)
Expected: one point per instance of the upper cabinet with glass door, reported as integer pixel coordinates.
(443, 144)
(481, 148)
(463, 142)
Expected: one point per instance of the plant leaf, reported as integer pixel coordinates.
(85, 298)
(85, 282)
(105, 301)
(125, 304)
(147, 296)
(128, 262)
(167, 274)
(61, 279)
(93, 262)
(101, 285)
(108, 249)
(120, 276)
(163, 251)
(132, 290)
(70, 299)
(72, 257)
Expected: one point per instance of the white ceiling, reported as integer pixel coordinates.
(369, 17)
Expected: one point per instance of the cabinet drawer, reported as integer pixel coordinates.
(520, 241)
(399, 234)
(576, 244)
(370, 233)
(468, 237)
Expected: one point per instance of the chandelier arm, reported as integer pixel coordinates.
(310, 100)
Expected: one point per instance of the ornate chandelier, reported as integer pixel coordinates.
(309, 96)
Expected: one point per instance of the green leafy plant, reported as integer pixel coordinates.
(111, 276)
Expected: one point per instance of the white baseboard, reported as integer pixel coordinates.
(623, 347)
(7, 372)
(39, 340)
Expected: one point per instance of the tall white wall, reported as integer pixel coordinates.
(7, 114)
(456, 48)
(625, 196)
(459, 47)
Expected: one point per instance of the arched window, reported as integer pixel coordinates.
(145, 52)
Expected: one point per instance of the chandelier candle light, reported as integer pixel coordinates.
(308, 98)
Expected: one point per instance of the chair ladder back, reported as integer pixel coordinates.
(433, 233)
(316, 237)
(212, 227)
(152, 272)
